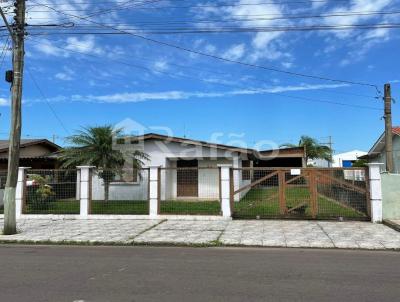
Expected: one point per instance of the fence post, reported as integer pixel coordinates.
(313, 193)
(226, 190)
(375, 189)
(154, 194)
(85, 194)
(20, 192)
(282, 192)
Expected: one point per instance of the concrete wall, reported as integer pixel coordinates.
(391, 196)
(1, 197)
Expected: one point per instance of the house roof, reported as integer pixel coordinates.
(379, 145)
(187, 141)
(285, 152)
(4, 144)
(396, 130)
(282, 152)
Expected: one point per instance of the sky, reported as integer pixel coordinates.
(78, 76)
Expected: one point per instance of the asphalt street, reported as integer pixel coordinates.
(77, 273)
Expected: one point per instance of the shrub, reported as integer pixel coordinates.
(40, 194)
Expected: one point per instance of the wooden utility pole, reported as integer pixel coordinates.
(18, 36)
(388, 128)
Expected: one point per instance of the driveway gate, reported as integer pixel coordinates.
(302, 193)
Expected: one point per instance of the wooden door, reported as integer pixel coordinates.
(187, 177)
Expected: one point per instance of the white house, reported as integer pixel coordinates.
(189, 168)
(377, 154)
(346, 160)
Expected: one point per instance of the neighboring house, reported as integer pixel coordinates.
(346, 160)
(377, 152)
(341, 160)
(318, 162)
(174, 152)
(34, 153)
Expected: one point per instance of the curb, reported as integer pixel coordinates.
(392, 225)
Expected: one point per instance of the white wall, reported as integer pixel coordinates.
(351, 155)
(166, 154)
(121, 190)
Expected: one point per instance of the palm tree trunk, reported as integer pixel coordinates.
(106, 190)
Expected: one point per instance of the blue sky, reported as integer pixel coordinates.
(85, 83)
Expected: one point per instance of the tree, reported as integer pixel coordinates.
(360, 163)
(93, 146)
(312, 148)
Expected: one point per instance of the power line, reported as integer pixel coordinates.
(221, 58)
(220, 30)
(4, 51)
(47, 101)
(135, 5)
(256, 18)
(228, 85)
(207, 81)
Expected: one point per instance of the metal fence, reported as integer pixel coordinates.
(189, 191)
(51, 192)
(308, 193)
(120, 193)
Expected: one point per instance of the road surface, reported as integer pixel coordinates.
(112, 274)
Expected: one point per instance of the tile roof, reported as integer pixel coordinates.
(4, 144)
(396, 130)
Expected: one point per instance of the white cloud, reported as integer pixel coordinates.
(161, 65)
(63, 76)
(210, 48)
(48, 48)
(4, 102)
(66, 75)
(287, 65)
(263, 44)
(86, 44)
(235, 52)
(353, 6)
(136, 97)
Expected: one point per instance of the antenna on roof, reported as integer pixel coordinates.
(184, 130)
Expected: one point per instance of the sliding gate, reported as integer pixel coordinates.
(302, 193)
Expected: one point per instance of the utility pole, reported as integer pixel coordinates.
(330, 143)
(17, 32)
(388, 128)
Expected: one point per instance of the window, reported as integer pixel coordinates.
(131, 175)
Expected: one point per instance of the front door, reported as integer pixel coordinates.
(187, 177)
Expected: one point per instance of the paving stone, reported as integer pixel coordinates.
(272, 233)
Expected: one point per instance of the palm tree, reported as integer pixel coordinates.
(93, 146)
(312, 148)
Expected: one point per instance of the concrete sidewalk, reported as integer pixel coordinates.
(268, 233)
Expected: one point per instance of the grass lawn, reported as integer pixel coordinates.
(255, 203)
(129, 207)
(120, 207)
(182, 207)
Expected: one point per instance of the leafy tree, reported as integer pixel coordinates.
(93, 146)
(360, 163)
(312, 148)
